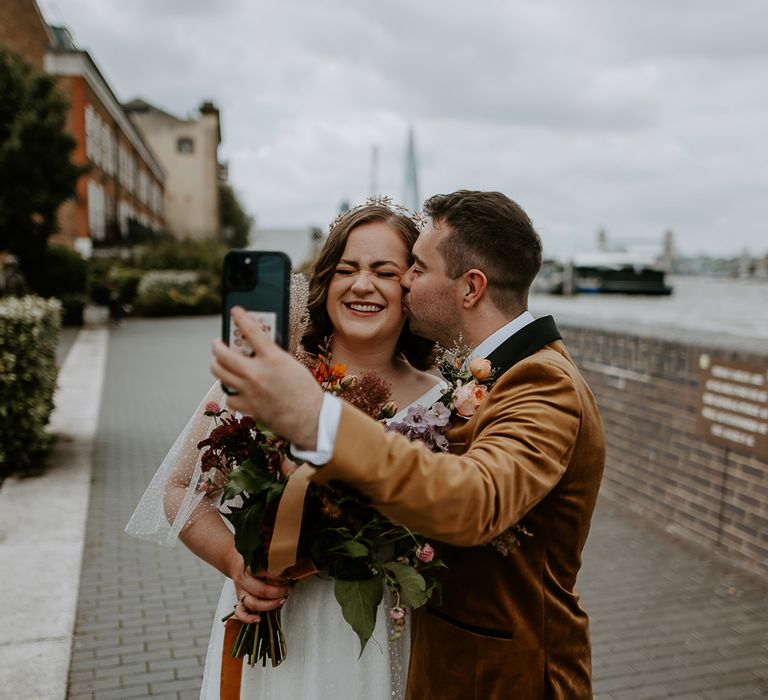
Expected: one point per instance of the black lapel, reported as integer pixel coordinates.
(525, 342)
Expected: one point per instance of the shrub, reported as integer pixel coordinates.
(29, 332)
(72, 306)
(204, 256)
(175, 292)
(127, 280)
(60, 271)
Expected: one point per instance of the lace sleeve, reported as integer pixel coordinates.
(172, 500)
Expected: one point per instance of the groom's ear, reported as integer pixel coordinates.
(475, 284)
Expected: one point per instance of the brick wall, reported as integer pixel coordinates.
(647, 389)
(23, 31)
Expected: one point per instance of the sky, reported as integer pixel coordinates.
(635, 117)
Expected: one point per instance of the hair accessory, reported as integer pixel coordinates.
(381, 200)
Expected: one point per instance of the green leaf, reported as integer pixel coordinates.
(247, 524)
(359, 602)
(245, 478)
(275, 491)
(355, 549)
(413, 587)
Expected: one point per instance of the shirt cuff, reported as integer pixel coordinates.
(327, 428)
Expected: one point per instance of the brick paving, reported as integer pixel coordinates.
(145, 611)
(668, 619)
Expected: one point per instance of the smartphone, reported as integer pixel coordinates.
(259, 281)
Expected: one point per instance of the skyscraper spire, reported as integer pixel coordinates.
(411, 197)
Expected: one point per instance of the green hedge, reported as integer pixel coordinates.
(127, 280)
(204, 256)
(29, 334)
(175, 293)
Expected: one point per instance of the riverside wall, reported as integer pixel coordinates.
(647, 384)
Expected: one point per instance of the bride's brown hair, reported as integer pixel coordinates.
(417, 350)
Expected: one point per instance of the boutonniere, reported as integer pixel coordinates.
(468, 382)
(468, 385)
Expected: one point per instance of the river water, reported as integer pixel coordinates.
(734, 308)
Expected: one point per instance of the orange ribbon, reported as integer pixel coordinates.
(281, 563)
(231, 666)
(281, 560)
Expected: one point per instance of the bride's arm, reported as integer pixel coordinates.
(203, 531)
(210, 539)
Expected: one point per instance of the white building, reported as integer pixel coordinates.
(188, 152)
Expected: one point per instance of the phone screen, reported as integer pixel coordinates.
(259, 282)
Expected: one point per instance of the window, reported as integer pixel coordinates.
(185, 145)
(96, 211)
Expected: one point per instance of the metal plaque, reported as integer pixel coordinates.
(733, 405)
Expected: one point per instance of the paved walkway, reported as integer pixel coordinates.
(667, 621)
(42, 524)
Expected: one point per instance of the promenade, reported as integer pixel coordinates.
(668, 621)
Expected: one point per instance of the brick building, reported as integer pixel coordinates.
(24, 31)
(120, 200)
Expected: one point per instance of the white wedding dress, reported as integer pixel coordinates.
(322, 661)
(322, 650)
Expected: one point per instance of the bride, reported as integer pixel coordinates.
(355, 298)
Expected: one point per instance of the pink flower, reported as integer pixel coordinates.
(205, 487)
(212, 407)
(425, 554)
(467, 397)
(480, 368)
(397, 614)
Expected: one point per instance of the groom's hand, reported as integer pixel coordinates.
(271, 385)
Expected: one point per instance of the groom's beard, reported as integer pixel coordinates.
(436, 327)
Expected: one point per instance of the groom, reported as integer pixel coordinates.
(509, 625)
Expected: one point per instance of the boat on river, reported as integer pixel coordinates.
(603, 272)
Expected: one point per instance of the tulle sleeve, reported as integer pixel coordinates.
(172, 500)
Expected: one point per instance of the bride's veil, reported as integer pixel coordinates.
(172, 500)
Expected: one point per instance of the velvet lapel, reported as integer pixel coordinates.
(525, 342)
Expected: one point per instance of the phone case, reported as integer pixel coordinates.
(259, 281)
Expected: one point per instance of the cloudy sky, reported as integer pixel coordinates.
(634, 116)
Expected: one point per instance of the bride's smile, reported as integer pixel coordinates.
(364, 295)
(364, 308)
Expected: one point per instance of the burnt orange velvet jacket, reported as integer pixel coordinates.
(533, 453)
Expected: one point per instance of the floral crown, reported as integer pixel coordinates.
(416, 217)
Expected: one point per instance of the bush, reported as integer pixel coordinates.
(205, 256)
(29, 333)
(126, 280)
(72, 306)
(175, 293)
(60, 271)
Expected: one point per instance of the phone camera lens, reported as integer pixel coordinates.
(242, 274)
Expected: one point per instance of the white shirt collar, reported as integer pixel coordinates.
(496, 338)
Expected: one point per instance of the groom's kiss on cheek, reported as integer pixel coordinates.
(430, 295)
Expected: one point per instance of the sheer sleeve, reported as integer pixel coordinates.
(172, 500)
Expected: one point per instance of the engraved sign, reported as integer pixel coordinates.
(733, 405)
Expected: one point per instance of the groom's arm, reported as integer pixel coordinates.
(522, 444)
(523, 438)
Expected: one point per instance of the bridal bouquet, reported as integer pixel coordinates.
(246, 468)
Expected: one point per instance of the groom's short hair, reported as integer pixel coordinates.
(489, 232)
